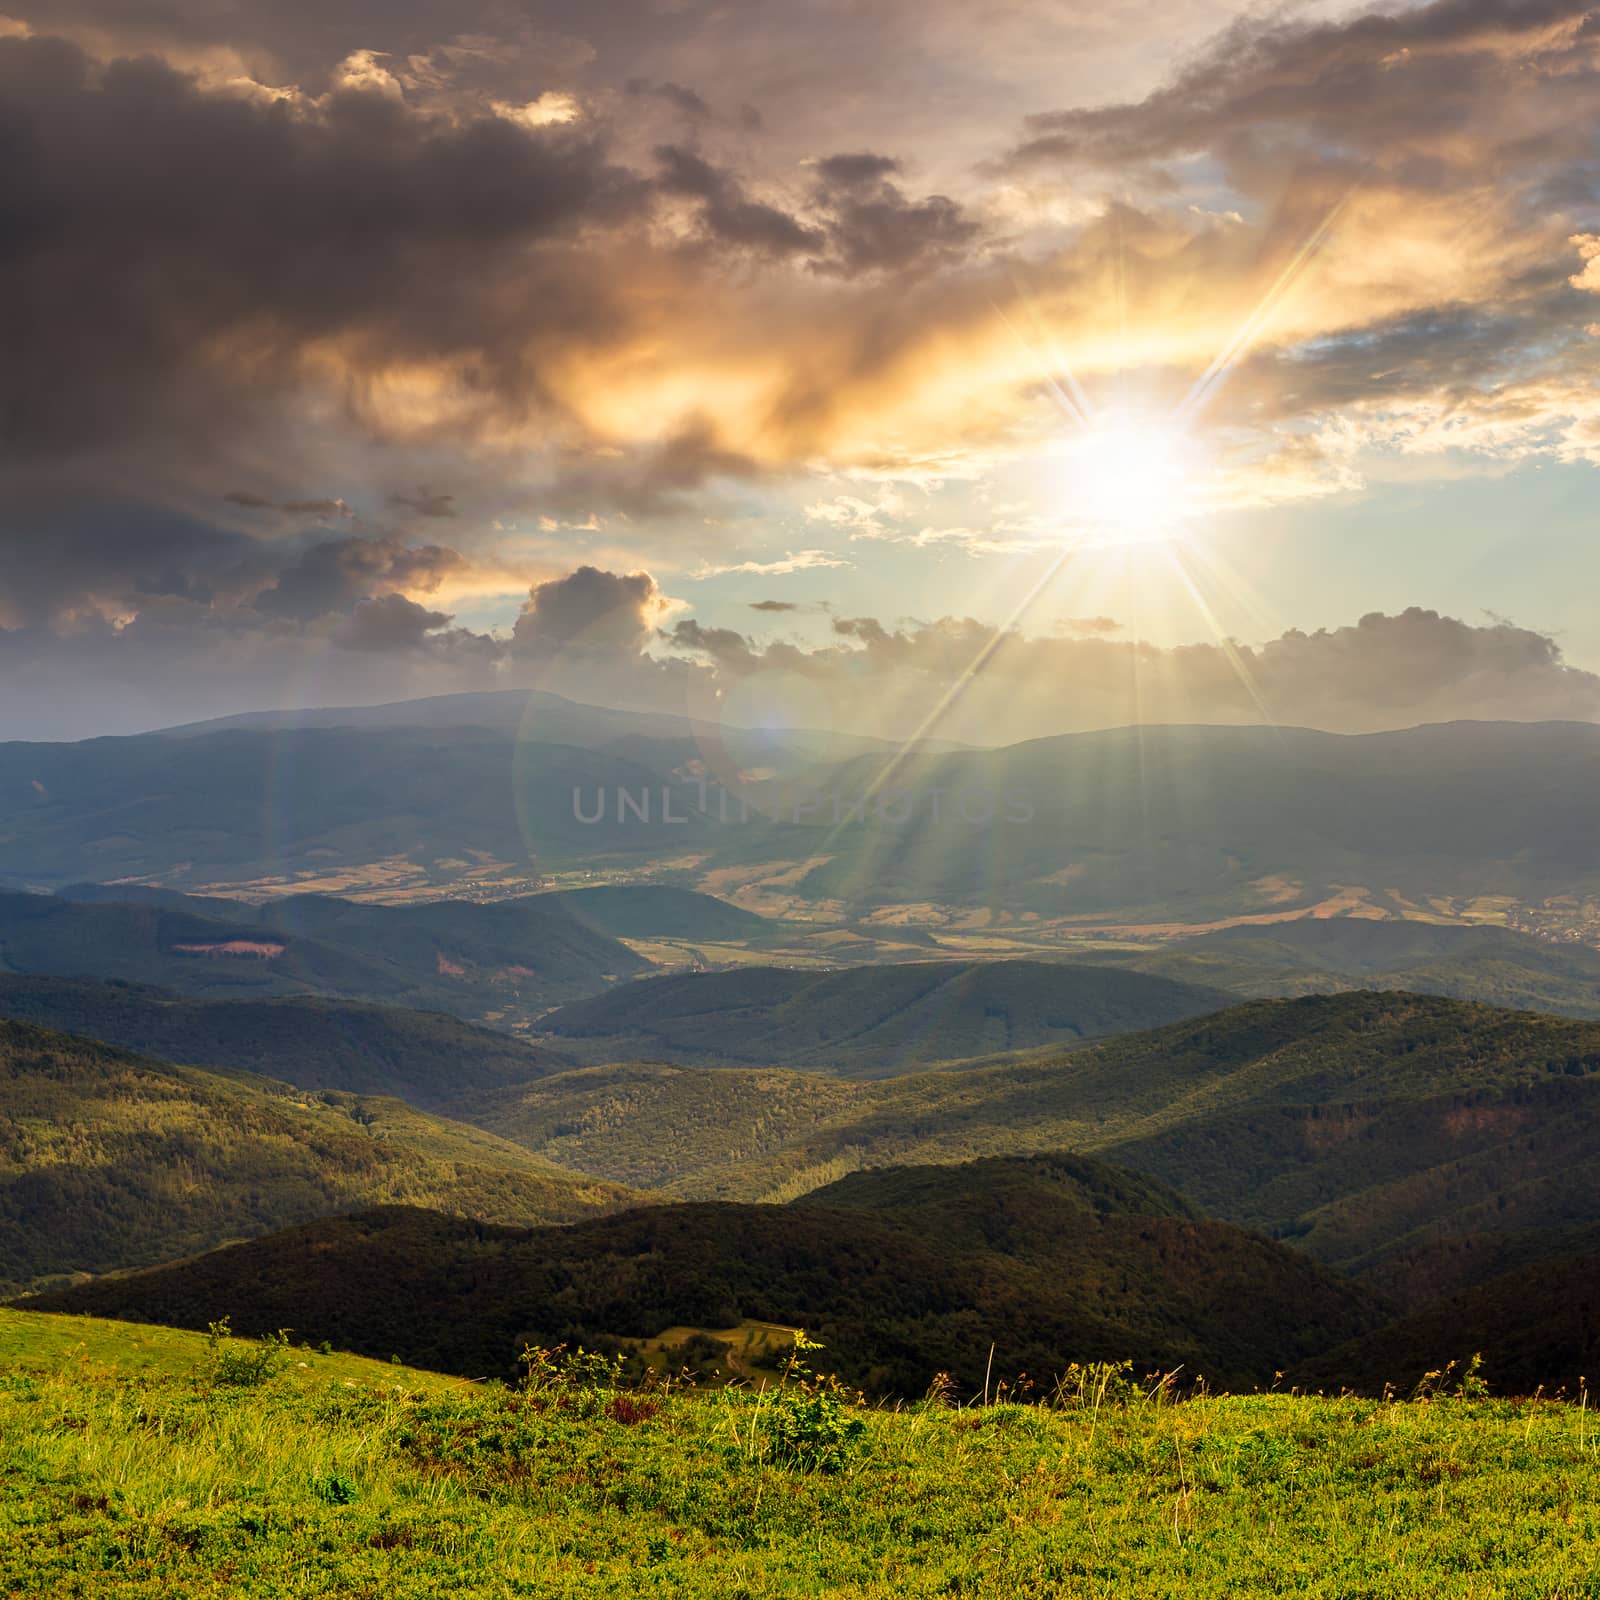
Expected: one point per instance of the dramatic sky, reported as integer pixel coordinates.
(881, 364)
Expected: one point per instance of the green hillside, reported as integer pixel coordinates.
(1047, 1259)
(424, 1057)
(868, 1022)
(1372, 1129)
(667, 1127)
(111, 1160)
(509, 957)
(126, 1487)
(95, 1348)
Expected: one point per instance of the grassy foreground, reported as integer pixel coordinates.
(126, 1476)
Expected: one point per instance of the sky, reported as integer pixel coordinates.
(900, 366)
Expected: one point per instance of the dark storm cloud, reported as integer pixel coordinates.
(873, 227)
(853, 169)
(857, 221)
(103, 556)
(726, 211)
(170, 257)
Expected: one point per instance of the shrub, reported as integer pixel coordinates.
(808, 1421)
(243, 1363)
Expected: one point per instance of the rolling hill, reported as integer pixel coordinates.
(1321, 955)
(424, 1057)
(1381, 1132)
(111, 1160)
(871, 1021)
(1049, 1260)
(508, 958)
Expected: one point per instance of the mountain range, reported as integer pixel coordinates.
(1152, 827)
(1416, 1141)
(437, 1027)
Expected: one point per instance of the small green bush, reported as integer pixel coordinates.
(808, 1422)
(243, 1363)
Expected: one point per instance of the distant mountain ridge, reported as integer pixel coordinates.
(538, 714)
(1378, 1131)
(1149, 827)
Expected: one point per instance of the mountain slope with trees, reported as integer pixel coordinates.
(1047, 1260)
(110, 1160)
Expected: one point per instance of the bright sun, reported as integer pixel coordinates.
(1128, 479)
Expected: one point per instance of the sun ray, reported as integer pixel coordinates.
(1248, 331)
(1142, 443)
(1224, 642)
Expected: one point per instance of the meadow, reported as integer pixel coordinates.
(133, 1468)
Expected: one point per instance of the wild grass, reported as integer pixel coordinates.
(159, 1484)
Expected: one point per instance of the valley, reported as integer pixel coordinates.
(1185, 1099)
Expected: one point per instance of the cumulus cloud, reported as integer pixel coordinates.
(611, 638)
(333, 575)
(588, 613)
(1588, 245)
(1382, 672)
(390, 622)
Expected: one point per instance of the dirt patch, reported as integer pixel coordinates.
(250, 949)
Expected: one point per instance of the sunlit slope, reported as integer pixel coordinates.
(112, 1160)
(1371, 1128)
(95, 1348)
